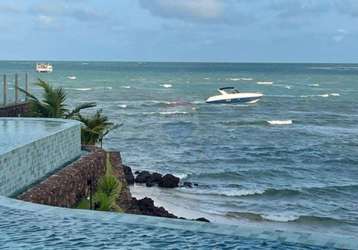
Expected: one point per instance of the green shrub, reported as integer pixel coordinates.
(109, 185)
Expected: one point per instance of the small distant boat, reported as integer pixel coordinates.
(71, 77)
(232, 95)
(44, 67)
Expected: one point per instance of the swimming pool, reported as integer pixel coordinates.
(31, 148)
(26, 225)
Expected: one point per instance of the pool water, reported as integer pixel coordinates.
(32, 226)
(18, 132)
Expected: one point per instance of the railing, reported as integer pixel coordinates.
(10, 88)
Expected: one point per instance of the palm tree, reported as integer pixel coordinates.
(53, 103)
(95, 128)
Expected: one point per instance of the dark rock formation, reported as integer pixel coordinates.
(202, 219)
(142, 177)
(187, 184)
(155, 178)
(128, 174)
(146, 206)
(169, 181)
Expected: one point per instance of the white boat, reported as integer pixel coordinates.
(232, 95)
(44, 67)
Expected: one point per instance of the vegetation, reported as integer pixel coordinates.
(107, 192)
(95, 128)
(52, 105)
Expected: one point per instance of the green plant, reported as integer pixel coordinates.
(108, 189)
(52, 104)
(95, 128)
(109, 185)
(105, 202)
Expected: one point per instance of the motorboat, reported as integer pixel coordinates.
(232, 95)
(44, 67)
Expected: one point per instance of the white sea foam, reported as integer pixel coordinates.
(173, 113)
(109, 88)
(234, 79)
(264, 82)
(280, 122)
(198, 102)
(126, 87)
(123, 106)
(280, 217)
(166, 85)
(207, 78)
(224, 192)
(83, 89)
(314, 85)
(71, 77)
(321, 95)
(288, 87)
(247, 79)
(181, 175)
(166, 113)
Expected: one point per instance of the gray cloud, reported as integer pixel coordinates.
(63, 10)
(10, 9)
(195, 10)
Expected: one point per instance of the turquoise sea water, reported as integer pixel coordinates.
(302, 174)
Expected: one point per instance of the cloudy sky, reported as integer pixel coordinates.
(180, 30)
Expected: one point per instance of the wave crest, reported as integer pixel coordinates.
(285, 218)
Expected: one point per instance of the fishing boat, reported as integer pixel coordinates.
(232, 95)
(44, 67)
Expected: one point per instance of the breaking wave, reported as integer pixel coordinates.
(264, 82)
(285, 218)
(321, 95)
(280, 122)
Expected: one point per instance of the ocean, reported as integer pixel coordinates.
(290, 160)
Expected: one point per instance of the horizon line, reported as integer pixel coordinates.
(164, 61)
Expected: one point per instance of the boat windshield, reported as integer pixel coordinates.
(228, 90)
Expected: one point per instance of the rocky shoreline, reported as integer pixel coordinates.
(146, 205)
(70, 185)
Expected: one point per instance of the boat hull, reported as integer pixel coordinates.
(236, 100)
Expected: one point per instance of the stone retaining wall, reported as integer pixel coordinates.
(15, 110)
(69, 185)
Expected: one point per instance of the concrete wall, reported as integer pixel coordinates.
(27, 164)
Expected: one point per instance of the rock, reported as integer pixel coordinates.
(149, 184)
(202, 219)
(128, 175)
(155, 178)
(188, 184)
(196, 184)
(169, 181)
(136, 172)
(142, 177)
(146, 206)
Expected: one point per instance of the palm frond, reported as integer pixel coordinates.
(78, 108)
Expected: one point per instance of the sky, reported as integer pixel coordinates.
(180, 30)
